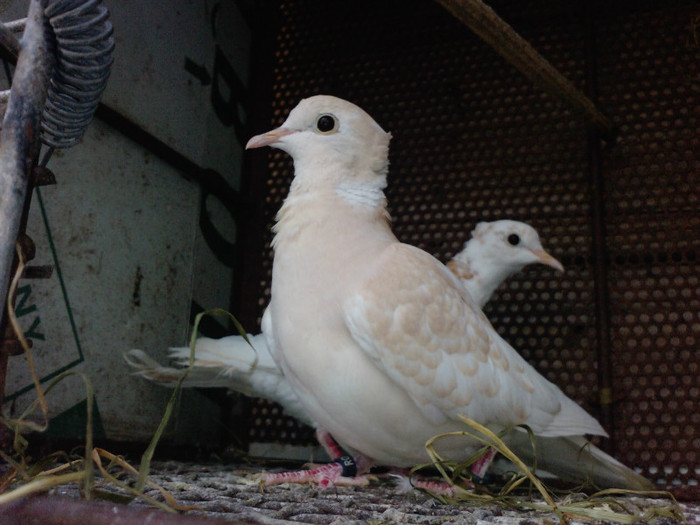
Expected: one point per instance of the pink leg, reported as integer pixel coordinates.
(343, 471)
(329, 444)
(362, 463)
(481, 465)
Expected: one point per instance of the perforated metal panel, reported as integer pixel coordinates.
(473, 140)
(650, 80)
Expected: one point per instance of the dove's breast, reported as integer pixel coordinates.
(319, 260)
(346, 394)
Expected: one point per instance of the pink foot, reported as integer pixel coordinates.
(406, 482)
(343, 472)
(438, 488)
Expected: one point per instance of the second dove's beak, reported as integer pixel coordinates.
(269, 138)
(545, 258)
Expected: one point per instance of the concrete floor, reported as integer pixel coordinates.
(231, 493)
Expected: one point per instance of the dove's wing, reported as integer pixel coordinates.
(417, 324)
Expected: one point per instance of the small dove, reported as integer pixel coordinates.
(495, 251)
(380, 341)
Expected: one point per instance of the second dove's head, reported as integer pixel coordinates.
(513, 244)
(331, 137)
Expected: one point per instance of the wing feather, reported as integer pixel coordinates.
(427, 335)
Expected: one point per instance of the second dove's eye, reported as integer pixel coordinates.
(326, 124)
(514, 239)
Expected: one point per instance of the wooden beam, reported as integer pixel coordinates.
(484, 21)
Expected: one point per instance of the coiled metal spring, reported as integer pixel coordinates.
(84, 55)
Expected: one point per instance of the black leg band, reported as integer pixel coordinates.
(349, 466)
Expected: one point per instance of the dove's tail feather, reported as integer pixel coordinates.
(226, 362)
(229, 355)
(205, 376)
(229, 362)
(575, 459)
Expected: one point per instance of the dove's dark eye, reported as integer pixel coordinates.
(326, 124)
(514, 239)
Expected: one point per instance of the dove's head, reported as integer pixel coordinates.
(505, 247)
(495, 252)
(511, 243)
(331, 139)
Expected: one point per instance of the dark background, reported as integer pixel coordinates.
(474, 140)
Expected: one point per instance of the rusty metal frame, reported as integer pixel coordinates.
(20, 142)
(599, 251)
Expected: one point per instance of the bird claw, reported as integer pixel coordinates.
(406, 483)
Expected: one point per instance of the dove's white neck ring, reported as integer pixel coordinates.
(361, 194)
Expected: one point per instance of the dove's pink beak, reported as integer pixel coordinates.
(266, 139)
(545, 258)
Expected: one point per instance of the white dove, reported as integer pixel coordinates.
(381, 343)
(495, 251)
